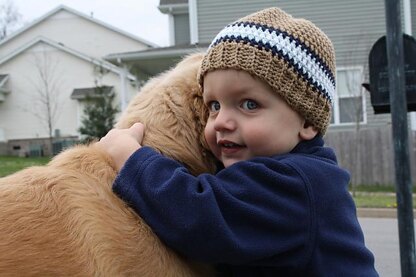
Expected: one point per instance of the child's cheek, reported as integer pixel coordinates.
(211, 138)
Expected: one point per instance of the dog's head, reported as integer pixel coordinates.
(172, 109)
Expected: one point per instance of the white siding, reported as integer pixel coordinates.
(77, 33)
(16, 112)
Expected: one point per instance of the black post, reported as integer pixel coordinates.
(398, 105)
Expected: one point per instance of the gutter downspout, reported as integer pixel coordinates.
(123, 75)
(407, 12)
(193, 21)
(171, 30)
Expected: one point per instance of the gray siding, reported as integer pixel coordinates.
(182, 32)
(213, 15)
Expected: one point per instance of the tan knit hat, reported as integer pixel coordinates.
(292, 55)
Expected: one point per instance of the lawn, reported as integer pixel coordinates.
(370, 196)
(377, 200)
(8, 165)
(378, 196)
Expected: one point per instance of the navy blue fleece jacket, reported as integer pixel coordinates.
(287, 215)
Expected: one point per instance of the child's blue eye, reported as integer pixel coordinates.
(214, 106)
(249, 105)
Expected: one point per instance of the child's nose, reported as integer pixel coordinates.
(224, 121)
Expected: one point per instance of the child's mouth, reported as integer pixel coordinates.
(229, 147)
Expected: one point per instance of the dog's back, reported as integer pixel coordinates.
(62, 219)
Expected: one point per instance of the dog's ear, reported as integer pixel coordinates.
(172, 108)
(188, 68)
(200, 112)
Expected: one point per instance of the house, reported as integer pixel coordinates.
(46, 70)
(361, 138)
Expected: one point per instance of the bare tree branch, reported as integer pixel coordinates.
(9, 17)
(47, 84)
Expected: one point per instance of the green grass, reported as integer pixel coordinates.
(377, 200)
(377, 196)
(8, 165)
(376, 188)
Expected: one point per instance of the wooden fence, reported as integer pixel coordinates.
(369, 156)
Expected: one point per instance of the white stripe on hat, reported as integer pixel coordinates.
(298, 55)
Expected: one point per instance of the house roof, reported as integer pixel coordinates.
(3, 79)
(3, 88)
(152, 53)
(172, 2)
(151, 62)
(89, 18)
(60, 46)
(82, 93)
(173, 6)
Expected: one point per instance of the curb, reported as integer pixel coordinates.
(379, 212)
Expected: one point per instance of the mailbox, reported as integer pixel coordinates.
(379, 77)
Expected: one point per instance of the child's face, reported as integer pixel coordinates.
(246, 118)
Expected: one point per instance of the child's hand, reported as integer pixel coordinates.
(121, 143)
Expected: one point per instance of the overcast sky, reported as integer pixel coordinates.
(138, 17)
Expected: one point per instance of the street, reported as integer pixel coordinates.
(381, 237)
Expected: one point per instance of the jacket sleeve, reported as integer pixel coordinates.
(256, 212)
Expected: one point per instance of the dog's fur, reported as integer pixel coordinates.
(63, 219)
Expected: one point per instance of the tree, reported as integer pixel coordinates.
(47, 84)
(99, 113)
(9, 18)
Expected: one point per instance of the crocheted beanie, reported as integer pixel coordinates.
(292, 55)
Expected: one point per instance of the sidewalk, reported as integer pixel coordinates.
(382, 238)
(379, 212)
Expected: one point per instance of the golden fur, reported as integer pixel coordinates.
(62, 219)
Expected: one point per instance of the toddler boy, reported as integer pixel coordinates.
(280, 206)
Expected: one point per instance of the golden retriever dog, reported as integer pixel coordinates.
(63, 219)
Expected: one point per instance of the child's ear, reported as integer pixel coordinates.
(308, 131)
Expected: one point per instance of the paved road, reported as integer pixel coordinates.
(381, 236)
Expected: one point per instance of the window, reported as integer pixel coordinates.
(349, 102)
